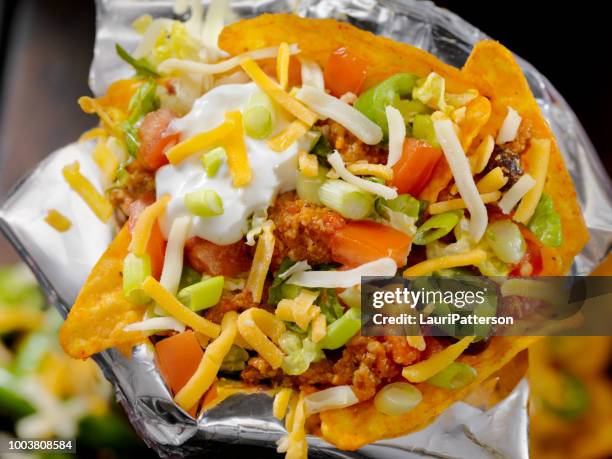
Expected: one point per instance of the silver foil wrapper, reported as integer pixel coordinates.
(61, 261)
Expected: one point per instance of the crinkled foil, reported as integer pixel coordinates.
(61, 261)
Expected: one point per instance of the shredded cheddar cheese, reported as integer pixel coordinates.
(106, 159)
(237, 158)
(300, 310)
(178, 310)
(58, 221)
(85, 189)
(144, 225)
(319, 328)
(417, 342)
(261, 262)
(286, 138)
(473, 257)
(281, 402)
(92, 134)
(425, 369)
(482, 155)
(255, 325)
(375, 170)
(110, 118)
(491, 182)
(199, 142)
(209, 365)
(297, 447)
(308, 164)
(454, 204)
(282, 65)
(540, 152)
(276, 92)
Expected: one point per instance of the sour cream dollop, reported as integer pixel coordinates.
(272, 172)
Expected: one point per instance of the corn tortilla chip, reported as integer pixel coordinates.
(100, 313)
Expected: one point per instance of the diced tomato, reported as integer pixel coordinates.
(412, 172)
(120, 93)
(531, 264)
(345, 72)
(153, 140)
(156, 247)
(225, 260)
(179, 357)
(360, 242)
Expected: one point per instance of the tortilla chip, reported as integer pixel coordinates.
(500, 78)
(353, 427)
(100, 313)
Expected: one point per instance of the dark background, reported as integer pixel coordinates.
(46, 47)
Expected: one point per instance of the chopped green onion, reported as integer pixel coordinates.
(346, 199)
(374, 101)
(259, 116)
(546, 223)
(351, 297)
(410, 108)
(212, 160)
(454, 376)
(436, 227)
(422, 128)
(203, 295)
(235, 360)
(290, 291)
(311, 138)
(204, 203)
(142, 66)
(397, 398)
(506, 241)
(322, 148)
(404, 203)
(308, 187)
(135, 270)
(342, 330)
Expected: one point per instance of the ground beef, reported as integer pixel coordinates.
(230, 301)
(226, 260)
(350, 147)
(508, 156)
(368, 362)
(140, 184)
(303, 230)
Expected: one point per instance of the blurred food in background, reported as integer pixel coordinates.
(571, 398)
(43, 393)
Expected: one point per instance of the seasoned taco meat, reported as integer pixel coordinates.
(139, 184)
(303, 230)
(233, 301)
(225, 260)
(350, 147)
(508, 156)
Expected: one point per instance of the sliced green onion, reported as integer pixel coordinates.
(135, 270)
(259, 116)
(311, 138)
(454, 376)
(308, 187)
(203, 295)
(290, 291)
(351, 297)
(342, 330)
(322, 147)
(212, 161)
(436, 227)
(404, 203)
(346, 199)
(410, 108)
(506, 241)
(397, 398)
(235, 360)
(204, 203)
(422, 128)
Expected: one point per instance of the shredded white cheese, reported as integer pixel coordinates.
(397, 134)
(147, 42)
(516, 193)
(299, 267)
(330, 399)
(344, 279)
(509, 128)
(173, 259)
(214, 22)
(156, 324)
(460, 167)
(312, 75)
(352, 119)
(335, 160)
(170, 65)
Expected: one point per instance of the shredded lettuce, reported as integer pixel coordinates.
(300, 353)
(546, 223)
(430, 91)
(142, 66)
(176, 42)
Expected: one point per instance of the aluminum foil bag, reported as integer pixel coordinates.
(61, 261)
